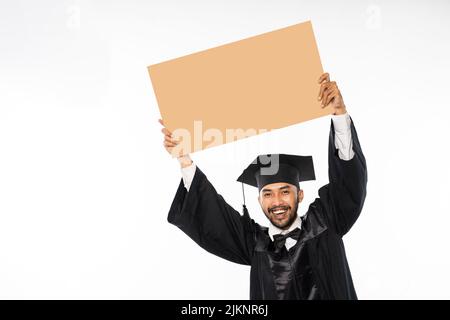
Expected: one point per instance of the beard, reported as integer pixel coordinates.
(287, 221)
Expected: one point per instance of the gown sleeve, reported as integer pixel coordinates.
(213, 224)
(343, 197)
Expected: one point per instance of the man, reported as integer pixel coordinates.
(295, 257)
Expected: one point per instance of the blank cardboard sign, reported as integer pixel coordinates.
(243, 88)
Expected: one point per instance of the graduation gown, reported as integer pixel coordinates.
(316, 266)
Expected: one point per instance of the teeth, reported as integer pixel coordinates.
(279, 211)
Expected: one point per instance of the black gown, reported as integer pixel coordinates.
(316, 266)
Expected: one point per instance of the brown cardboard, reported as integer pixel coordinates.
(268, 81)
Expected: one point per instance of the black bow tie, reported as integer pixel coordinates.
(279, 240)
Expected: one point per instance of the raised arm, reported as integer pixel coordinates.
(200, 212)
(344, 196)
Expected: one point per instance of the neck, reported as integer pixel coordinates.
(276, 230)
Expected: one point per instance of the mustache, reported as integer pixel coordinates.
(279, 208)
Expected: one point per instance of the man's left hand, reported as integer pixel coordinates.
(330, 96)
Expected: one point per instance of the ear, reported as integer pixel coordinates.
(300, 195)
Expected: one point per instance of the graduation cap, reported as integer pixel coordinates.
(272, 168)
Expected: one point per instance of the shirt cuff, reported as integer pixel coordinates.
(187, 174)
(343, 136)
(341, 122)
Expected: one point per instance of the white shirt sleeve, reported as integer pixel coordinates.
(188, 175)
(343, 136)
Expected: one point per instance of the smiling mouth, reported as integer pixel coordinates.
(279, 211)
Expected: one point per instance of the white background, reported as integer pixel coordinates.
(85, 184)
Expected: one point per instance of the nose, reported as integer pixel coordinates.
(276, 201)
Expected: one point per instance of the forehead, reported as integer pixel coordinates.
(277, 186)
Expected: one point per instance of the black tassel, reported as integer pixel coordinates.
(245, 211)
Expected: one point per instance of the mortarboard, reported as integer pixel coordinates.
(271, 168)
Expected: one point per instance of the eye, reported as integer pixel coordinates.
(266, 195)
(285, 191)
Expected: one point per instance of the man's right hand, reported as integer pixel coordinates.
(170, 142)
